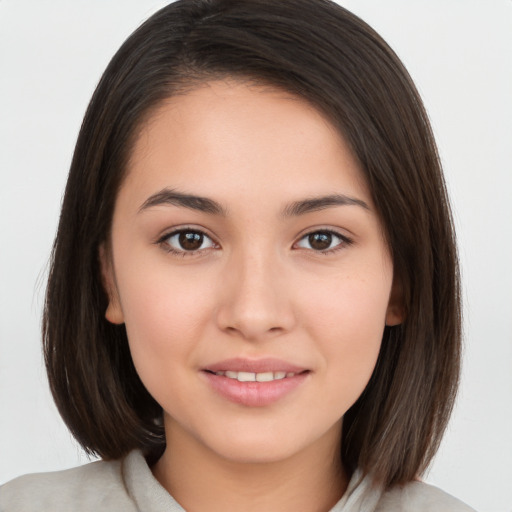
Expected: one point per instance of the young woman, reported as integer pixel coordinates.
(253, 302)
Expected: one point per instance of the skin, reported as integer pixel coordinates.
(255, 288)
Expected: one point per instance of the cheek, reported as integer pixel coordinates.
(164, 318)
(164, 313)
(347, 319)
(354, 304)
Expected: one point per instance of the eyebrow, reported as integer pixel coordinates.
(206, 205)
(173, 197)
(321, 203)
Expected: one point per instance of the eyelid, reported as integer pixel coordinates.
(162, 240)
(345, 240)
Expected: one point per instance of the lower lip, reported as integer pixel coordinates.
(254, 394)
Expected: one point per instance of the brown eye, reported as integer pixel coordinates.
(187, 240)
(320, 241)
(323, 241)
(190, 241)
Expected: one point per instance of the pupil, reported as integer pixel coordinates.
(320, 241)
(190, 241)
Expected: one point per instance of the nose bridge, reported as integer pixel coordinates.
(256, 302)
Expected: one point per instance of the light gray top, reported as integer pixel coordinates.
(129, 486)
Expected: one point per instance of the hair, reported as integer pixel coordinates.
(321, 52)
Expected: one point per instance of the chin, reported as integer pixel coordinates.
(256, 453)
(261, 447)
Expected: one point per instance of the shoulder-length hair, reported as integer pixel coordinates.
(321, 52)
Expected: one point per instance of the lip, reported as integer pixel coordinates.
(254, 394)
(269, 364)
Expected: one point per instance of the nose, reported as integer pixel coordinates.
(255, 302)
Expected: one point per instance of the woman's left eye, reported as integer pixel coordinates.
(323, 241)
(187, 241)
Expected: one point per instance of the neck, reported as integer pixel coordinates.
(312, 480)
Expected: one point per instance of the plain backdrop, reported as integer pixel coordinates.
(459, 52)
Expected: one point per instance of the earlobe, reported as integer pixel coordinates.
(114, 313)
(395, 313)
(393, 316)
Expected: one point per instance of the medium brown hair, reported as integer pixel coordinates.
(336, 62)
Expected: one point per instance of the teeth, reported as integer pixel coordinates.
(264, 377)
(255, 377)
(246, 377)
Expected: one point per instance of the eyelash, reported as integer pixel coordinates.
(164, 242)
(343, 243)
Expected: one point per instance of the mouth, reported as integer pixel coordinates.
(255, 383)
(243, 376)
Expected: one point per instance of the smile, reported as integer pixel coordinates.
(255, 377)
(255, 383)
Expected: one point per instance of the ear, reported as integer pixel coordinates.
(395, 313)
(114, 313)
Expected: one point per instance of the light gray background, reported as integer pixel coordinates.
(459, 52)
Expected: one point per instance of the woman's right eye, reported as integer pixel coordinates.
(185, 241)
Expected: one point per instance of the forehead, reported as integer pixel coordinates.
(229, 135)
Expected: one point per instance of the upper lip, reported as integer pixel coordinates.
(269, 364)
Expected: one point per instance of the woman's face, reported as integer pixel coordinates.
(249, 266)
